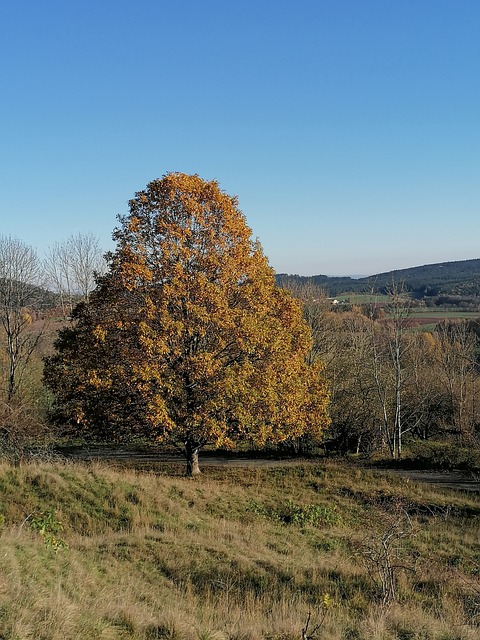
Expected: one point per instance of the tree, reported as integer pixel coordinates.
(354, 410)
(58, 275)
(19, 294)
(390, 346)
(71, 266)
(456, 357)
(186, 337)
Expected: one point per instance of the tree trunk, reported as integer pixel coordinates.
(191, 454)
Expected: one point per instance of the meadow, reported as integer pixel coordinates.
(314, 550)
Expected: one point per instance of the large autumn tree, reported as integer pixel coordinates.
(186, 337)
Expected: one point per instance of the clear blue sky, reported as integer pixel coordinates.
(349, 129)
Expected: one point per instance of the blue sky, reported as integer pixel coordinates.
(349, 129)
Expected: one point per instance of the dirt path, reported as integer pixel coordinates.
(206, 459)
(448, 479)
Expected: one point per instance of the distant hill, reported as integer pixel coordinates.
(460, 278)
(33, 296)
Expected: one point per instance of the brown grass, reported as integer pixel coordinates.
(237, 554)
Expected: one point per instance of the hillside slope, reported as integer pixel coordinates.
(459, 278)
(234, 555)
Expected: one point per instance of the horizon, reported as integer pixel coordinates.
(377, 273)
(349, 131)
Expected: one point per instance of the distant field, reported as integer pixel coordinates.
(362, 298)
(421, 315)
(428, 318)
(440, 315)
(371, 298)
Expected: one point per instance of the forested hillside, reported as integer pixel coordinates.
(460, 278)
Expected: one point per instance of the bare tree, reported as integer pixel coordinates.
(19, 294)
(385, 551)
(390, 345)
(457, 360)
(353, 403)
(86, 260)
(71, 267)
(58, 274)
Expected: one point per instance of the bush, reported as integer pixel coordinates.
(443, 455)
(298, 514)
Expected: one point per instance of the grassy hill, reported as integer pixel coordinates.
(235, 555)
(460, 278)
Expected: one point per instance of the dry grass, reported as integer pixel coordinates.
(237, 554)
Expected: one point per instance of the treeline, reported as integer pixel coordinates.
(391, 383)
(460, 279)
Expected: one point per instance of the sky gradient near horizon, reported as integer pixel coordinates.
(349, 129)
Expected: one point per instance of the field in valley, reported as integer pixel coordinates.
(426, 317)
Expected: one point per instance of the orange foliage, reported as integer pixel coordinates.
(195, 341)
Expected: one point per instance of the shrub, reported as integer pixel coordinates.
(444, 455)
